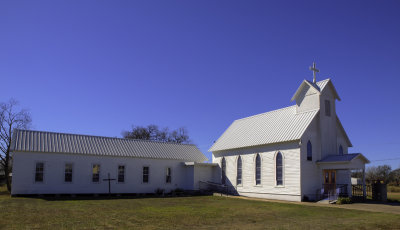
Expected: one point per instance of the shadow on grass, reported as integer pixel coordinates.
(66, 197)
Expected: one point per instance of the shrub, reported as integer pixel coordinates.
(344, 200)
(159, 191)
(178, 192)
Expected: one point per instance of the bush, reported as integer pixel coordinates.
(344, 200)
(178, 192)
(159, 191)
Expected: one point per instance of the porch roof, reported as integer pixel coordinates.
(346, 161)
(343, 158)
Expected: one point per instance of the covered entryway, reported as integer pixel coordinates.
(336, 171)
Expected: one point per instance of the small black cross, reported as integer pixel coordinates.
(109, 183)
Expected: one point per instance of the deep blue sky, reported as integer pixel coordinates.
(97, 67)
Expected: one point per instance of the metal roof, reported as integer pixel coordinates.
(280, 125)
(342, 158)
(49, 142)
(319, 86)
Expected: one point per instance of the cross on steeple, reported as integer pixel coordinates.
(315, 70)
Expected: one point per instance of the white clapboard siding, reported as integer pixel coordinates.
(268, 189)
(24, 172)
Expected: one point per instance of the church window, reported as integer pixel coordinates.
(68, 172)
(258, 169)
(121, 173)
(223, 171)
(39, 171)
(340, 150)
(309, 151)
(239, 171)
(279, 169)
(146, 173)
(327, 108)
(168, 176)
(96, 173)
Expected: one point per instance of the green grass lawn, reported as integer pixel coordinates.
(394, 196)
(208, 212)
(393, 193)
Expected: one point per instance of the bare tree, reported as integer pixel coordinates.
(380, 173)
(153, 133)
(395, 177)
(11, 118)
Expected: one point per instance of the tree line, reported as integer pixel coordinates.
(383, 173)
(154, 133)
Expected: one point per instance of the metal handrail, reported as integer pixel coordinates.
(333, 194)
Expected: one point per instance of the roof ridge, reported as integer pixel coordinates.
(272, 111)
(324, 80)
(96, 136)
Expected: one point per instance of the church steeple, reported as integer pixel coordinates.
(315, 70)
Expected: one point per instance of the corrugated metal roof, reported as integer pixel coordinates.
(280, 125)
(49, 142)
(342, 158)
(319, 86)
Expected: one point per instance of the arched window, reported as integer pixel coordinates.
(309, 151)
(223, 171)
(239, 171)
(340, 150)
(258, 169)
(279, 169)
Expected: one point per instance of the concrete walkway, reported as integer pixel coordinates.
(393, 208)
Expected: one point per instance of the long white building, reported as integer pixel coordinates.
(57, 163)
(294, 153)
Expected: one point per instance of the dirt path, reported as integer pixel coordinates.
(371, 207)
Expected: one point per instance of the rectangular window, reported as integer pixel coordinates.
(68, 172)
(39, 170)
(96, 173)
(327, 108)
(168, 176)
(121, 173)
(146, 173)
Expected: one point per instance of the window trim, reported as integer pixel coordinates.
(91, 174)
(34, 172)
(255, 170)
(118, 182)
(148, 174)
(72, 174)
(237, 170)
(283, 170)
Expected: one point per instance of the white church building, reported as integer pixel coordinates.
(295, 153)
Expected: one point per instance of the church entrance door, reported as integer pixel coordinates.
(329, 181)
